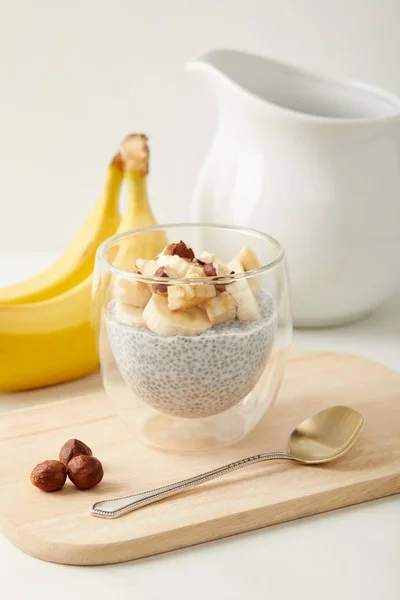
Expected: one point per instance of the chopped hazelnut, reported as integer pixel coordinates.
(180, 250)
(210, 270)
(161, 287)
(184, 251)
(169, 250)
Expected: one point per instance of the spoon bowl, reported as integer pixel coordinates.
(326, 436)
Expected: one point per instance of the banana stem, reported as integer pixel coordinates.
(134, 152)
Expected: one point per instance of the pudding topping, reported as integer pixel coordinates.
(191, 308)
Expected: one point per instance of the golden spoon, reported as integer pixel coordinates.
(324, 437)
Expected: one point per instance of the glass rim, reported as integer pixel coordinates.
(125, 274)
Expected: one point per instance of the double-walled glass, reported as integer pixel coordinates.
(180, 383)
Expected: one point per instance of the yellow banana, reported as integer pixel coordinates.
(77, 261)
(47, 342)
(52, 341)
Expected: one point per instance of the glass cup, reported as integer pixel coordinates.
(180, 379)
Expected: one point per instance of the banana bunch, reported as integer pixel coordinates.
(46, 335)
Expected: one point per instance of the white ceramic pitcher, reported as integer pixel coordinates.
(316, 163)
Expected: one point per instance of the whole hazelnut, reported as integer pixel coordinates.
(49, 475)
(85, 471)
(73, 448)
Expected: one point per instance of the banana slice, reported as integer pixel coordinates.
(162, 321)
(175, 266)
(222, 269)
(249, 259)
(135, 293)
(195, 271)
(221, 309)
(147, 267)
(185, 296)
(247, 305)
(129, 315)
(207, 257)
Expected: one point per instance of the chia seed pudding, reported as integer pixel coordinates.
(191, 351)
(195, 376)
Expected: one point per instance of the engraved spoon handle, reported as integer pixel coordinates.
(110, 509)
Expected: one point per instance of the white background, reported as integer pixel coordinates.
(77, 76)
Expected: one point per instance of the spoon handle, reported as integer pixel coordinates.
(110, 509)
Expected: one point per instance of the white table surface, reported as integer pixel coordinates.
(348, 554)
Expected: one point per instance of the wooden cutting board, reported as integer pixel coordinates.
(58, 527)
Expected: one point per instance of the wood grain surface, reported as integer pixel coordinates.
(57, 527)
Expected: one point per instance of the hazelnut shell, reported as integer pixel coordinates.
(85, 471)
(49, 476)
(73, 448)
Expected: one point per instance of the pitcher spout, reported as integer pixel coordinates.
(221, 65)
(205, 62)
(293, 90)
(211, 65)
